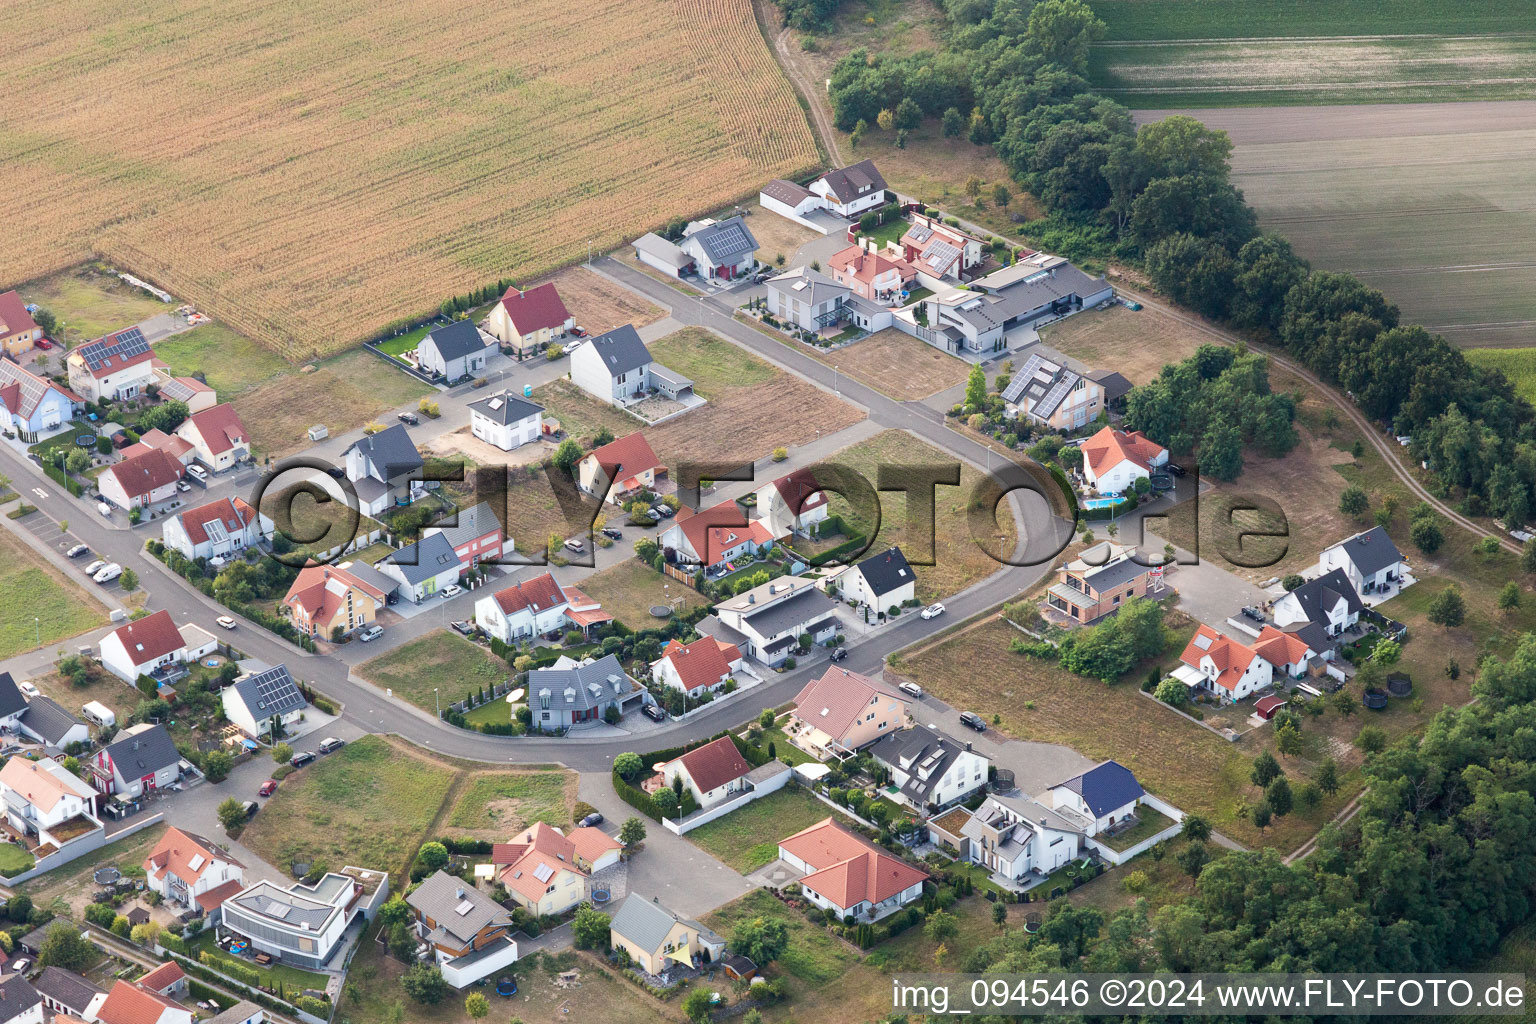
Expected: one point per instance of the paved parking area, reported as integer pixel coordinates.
(776, 875)
(1210, 594)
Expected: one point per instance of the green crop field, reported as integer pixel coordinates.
(1518, 364)
(1229, 19)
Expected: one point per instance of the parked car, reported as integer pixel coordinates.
(592, 820)
(250, 807)
(612, 534)
(95, 567)
(653, 515)
(971, 720)
(44, 344)
(302, 758)
(654, 712)
(331, 744)
(267, 788)
(840, 654)
(108, 573)
(226, 622)
(1175, 469)
(667, 511)
(1253, 613)
(183, 486)
(911, 690)
(575, 545)
(579, 331)
(78, 550)
(371, 633)
(409, 417)
(933, 611)
(104, 509)
(198, 472)
(28, 688)
(462, 626)
(452, 590)
(336, 471)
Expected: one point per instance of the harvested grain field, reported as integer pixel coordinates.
(1389, 193)
(898, 365)
(599, 305)
(777, 236)
(1138, 343)
(305, 190)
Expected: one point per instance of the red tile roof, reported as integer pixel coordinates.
(14, 317)
(800, 491)
(1110, 447)
(864, 266)
(701, 663)
(592, 843)
(836, 700)
(1280, 648)
(234, 513)
(539, 593)
(176, 851)
(1230, 657)
(309, 591)
(220, 428)
(584, 611)
(162, 977)
(715, 764)
(147, 472)
(218, 894)
(153, 636)
(849, 869)
(629, 455)
(129, 1004)
(540, 844)
(535, 308)
(717, 530)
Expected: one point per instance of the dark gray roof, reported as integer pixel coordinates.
(17, 997)
(851, 182)
(786, 191)
(1107, 577)
(241, 1012)
(458, 339)
(470, 524)
(268, 693)
(621, 350)
(1315, 637)
(391, 450)
(441, 896)
(143, 753)
(886, 572)
(646, 922)
(1105, 787)
(807, 604)
(808, 286)
(1114, 384)
(66, 988)
(505, 408)
(385, 585)
(1371, 551)
(425, 559)
(579, 688)
(914, 750)
(296, 906)
(724, 241)
(1317, 596)
(47, 718)
(11, 699)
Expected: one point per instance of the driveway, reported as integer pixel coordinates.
(776, 875)
(1211, 594)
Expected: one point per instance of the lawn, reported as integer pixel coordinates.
(1151, 822)
(441, 659)
(496, 805)
(814, 958)
(38, 604)
(273, 975)
(1516, 955)
(776, 236)
(629, 589)
(232, 363)
(783, 749)
(897, 365)
(14, 859)
(1216, 19)
(89, 302)
(890, 231)
(715, 365)
(370, 804)
(102, 686)
(72, 883)
(748, 838)
(1137, 344)
(1164, 882)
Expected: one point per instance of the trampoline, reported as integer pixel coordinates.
(1376, 700)
(1031, 923)
(1399, 685)
(85, 440)
(107, 875)
(600, 896)
(506, 986)
(660, 611)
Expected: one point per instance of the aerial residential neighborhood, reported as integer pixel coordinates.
(712, 512)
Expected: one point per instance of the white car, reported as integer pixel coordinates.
(183, 486)
(95, 567)
(933, 611)
(104, 509)
(197, 471)
(911, 690)
(575, 545)
(452, 590)
(108, 573)
(226, 621)
(28, 689)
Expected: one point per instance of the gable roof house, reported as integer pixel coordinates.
(470, 933)
(30, 404)
(842, 712)
(256, 698)
(871, 276)
(1114, 460)
(142, 480)
(619, 468)
(65, 992)
(848, 874)
(571, 693)
(657, 938)
(46, 721)
(44, 799)
(142, 646)
(713, 773)
(536, 606)
(939, 252)
(454, 352)
(114, 366)
(1288, 653)
(423, 568)
(128, 1003)
(143, 758)
(1227, 668)
(792, 504)
(195, 394)
(325, 598)
(702, 666)
(18, 331)
(768, 621)
(1372, 562)
(715, 536)
(788, 199)
(545, 871)
(882, 581)
(660, 254)
(216, 530)
(1054, 394)
(178, 448)
(720, 249)
(1329, 602)
(382, 466)
(1098, 581)
(167, 980)
(615, 367)
(527, 321)
(930, 771)
(851, 191)
(475, 535)
(217, 436)
(1103, 797)
(191, 872)
(506, 420)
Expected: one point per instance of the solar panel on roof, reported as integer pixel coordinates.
(1021, 379)
(1058, 392)
(543, 872)
(1203, 642)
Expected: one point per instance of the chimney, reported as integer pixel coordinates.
(751, 599)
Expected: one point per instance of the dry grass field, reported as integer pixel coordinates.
(1389, 192)
(308, 175)
(897, 365)
(1137, 344)
(599, 305)
(630, 589)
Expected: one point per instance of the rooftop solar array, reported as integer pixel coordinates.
(124, 345)
(1021, 380)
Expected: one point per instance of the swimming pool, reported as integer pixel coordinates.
(1099, 502)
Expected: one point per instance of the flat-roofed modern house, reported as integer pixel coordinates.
(454, 352)
(470, 934)
(528, 321)
(506, 420)
(304, 925)
(767, 622)
(1098, 582)
(658, 939)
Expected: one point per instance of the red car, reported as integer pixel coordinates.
(267, 788)
(44, 343)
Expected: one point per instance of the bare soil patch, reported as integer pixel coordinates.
(599, 305)
(897, 365)
(1136, 343)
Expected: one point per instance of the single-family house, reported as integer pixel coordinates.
(470, 934)
(424, 568)
(713, 773)
(871, 276)
(792, 504)
(1098, 582)
(720, 249)
(115, 366)
(43, 799)
(656, 938)
(618, 469)
(218, 437)
(882, 581)
(453, 352)
(304, 925)
(142, 759)
(192, 873)
(807, 299)
(195, 394)
(325, 598)
(256, 699)
(851, 191)
(940, 252)
(788, 199)
(67, 993)
(696, 668)
(1104, 796)
(475, 534)
(19, 333)
(843, 712)
(570, 692)
(382, 467)
(45, 721)
(178, 448)
(1370, 560)
(166, 980)
(1227, 668)
(243, 1012)
(523, 610)
(978, 318)
(930, 771)
(142, 646)
(20, 1003)
(768, 621)
(1051, 393)
(13, 703)
(127, 1003)
(1113, 460)
(618, 369)
(217, 529)
(849, 875)
(714, 536)
(31, 405)
(1012, 836)
(546, 871)
(527, 321)
(1329, 601)
(506, 420)
(142, 480)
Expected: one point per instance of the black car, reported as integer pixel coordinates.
(612, 534)
(840, 654)
(592, 820)
(665, 511)
(463, 626)
(408, 417)
(336, 471)
(654, 713)
(302, 758)
(971, 720)
(1175, 469)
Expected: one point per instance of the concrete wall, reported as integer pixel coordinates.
(698, 818)
(1121, 856)
(80, 847)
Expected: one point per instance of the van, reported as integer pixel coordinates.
(911, 690)
(971, 720)
(108, 573)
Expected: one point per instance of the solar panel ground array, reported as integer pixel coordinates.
(308, 187)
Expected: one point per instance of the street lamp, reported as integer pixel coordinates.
(438, 702)
(835, 391)
(37, 623)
